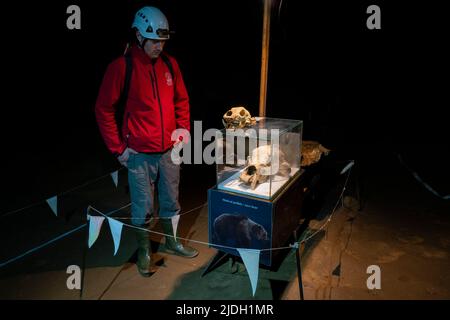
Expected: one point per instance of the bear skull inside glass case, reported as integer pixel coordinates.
(260, 160)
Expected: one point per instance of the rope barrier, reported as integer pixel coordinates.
(45, 244)
(235, 248)
(58, 195)
(155, 218)
(417, 177)
(295, 245)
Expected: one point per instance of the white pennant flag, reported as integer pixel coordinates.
(347, 167)
(116, 231)
(250, 257)
(95, 224)
(115, 177)
(175, 220)
(53, 203)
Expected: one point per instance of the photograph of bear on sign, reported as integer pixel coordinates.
(239, 231)
(240, 222)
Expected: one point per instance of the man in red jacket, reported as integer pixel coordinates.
(157, 104)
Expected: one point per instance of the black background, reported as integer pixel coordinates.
(364, 92)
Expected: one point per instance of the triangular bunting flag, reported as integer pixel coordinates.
(116, 231)
(115, 177)
(175, 220)
(250, 257)
(53, 203)
(347, 167)
(95, 224)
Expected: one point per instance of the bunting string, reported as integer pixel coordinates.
(423, 183)
(234, 248)
(249, 256)
(164, 234)
(153, 218)
(332, 212)
(6, 214)
(108, 215)
(45, 244)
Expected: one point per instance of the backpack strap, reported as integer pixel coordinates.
(120, 110)
(128, 69)
(126, 85)
(169, 64)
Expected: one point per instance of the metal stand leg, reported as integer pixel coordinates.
(299, 273)
(299, 266)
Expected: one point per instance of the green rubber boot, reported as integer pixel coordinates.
(144, 261)
(173, 246)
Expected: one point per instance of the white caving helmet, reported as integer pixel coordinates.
(151, 23)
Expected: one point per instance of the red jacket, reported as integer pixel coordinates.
(156, 105)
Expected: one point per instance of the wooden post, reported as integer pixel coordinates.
(264, 58)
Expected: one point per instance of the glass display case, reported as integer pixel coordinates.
(259, 160)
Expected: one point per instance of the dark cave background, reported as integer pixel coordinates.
(366, 94)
